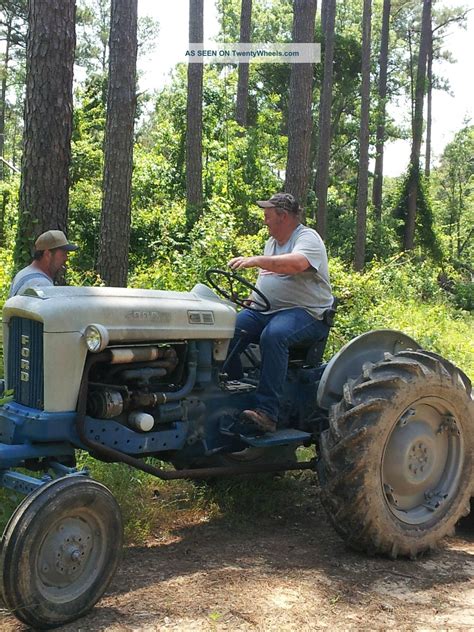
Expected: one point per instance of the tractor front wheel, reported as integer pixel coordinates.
(60, 551)
(396, 463)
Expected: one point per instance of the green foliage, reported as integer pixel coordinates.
(6, 268)
(132, 490)
(88, 132)
(453, 195)
(8, 502)
(401, 293)
(424, 220)
(212, 242)
(85, 202)
(93, 34)
(464, 295)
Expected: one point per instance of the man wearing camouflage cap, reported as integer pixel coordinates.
(293, 275)
(50, 256)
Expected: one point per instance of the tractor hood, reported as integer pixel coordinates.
(129, 315)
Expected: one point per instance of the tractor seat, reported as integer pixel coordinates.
(311, 353)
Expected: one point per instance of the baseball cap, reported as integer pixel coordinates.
(284, 201)
(54, 239)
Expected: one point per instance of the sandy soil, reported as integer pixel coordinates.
(291, 572)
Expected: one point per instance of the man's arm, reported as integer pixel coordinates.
(291, 263)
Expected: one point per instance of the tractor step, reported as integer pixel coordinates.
(285, 436)
(280, 437)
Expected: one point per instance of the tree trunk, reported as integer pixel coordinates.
(44, 190)
(362, 182)
(409, 234)
(429, 96)
(4, 94)
(324, 144)
(114, 240)
(243, 79)
(299, 110)
(382, 94)
(194, 120)
(5, 193)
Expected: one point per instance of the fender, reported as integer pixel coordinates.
(349, 361)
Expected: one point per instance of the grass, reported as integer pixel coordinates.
(152, 508)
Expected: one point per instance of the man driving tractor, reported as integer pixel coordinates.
(293, 275)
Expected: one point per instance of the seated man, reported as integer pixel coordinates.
(50, 256)
(293, 275)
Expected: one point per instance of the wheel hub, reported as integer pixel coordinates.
(421, 461)
(65, 552)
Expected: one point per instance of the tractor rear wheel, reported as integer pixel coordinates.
(396, 464)
(60, 551)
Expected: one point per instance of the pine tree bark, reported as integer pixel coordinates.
(44, 189)
(362, 181)
(194, 120)
(112, 264)
(324, 141)
(299, 110)
(377, 190)
(243, 74)
(420, 88)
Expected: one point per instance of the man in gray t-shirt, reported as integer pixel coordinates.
(51, 252)
(293, 275)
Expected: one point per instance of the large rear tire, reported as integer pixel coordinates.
(396, 464)
(60, 551)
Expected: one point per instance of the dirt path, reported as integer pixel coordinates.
(288, 573)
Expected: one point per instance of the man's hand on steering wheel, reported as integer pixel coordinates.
(242, 262)
(230, 292)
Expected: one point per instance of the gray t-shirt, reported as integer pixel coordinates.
(310, 289)
(28, 277)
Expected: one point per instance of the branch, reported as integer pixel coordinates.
(452, 20)
(466, 241)
(12, 167)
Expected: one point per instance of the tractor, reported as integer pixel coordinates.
(132, 374)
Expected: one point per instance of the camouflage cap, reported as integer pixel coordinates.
(285, 201)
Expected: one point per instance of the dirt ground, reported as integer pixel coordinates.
(291, 572)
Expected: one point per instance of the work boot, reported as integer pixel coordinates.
(259, 419)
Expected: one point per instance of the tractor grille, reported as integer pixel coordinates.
(25, 361)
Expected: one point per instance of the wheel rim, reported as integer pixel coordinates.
(422, 462)
(71, 556)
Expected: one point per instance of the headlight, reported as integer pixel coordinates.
(96, 337)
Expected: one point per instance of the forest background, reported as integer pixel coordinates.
(421, 283)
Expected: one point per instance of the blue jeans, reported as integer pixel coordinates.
(275, 333)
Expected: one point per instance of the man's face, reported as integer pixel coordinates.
(274, 221)
(57, 260)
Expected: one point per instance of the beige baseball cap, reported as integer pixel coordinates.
(54, 239)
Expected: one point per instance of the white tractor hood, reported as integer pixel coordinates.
(129, 315)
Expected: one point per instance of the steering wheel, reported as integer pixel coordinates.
(232, 294)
